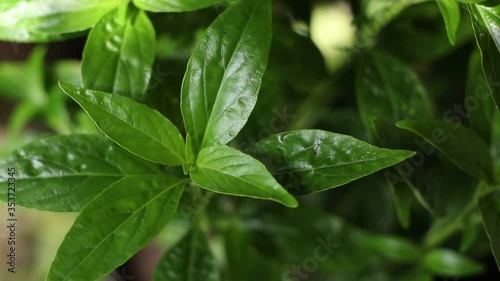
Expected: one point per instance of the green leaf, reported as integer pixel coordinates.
(226, 170)
(417, 37)
(56, 112)
(486, 20)
(134, 126)
(490, 211)
(176, 5)
(309, 161)
(31, 92)
(119, 53)
(450, 9)
(64, 173)
(224, 74)
(374, 9)
(394, 248)
(480, 106)
(190, 259)
(495, 144)
(20, 117)
(473, 1)
(31, 73)
(115, 225)
(403, 201)
(10, 75)
(237, 251)
(446, 262)
(415, 275)
(387, 88)
(243, 258)
(379, 13)
(404, 194)
(469, 235)
(460, 144)
(491, 18)
(66, 70)
(454, 195)
(49, 20)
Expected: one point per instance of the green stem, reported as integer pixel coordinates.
(456, 223)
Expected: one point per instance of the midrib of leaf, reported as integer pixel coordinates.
(65, 192)
(135, 128)
(115, 74)
(218, 97)
(484, 15)
(152, 122)
(68, 191)
(330, 166)
(490, 58)
(238, 178)
(490, 38)
(120, 55)
(125, 221)
(477, 34)
(388, 86)
(330, 155)
(74, 171)
(313, 146)
(84, 175)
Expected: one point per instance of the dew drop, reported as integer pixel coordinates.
(36, 164)
(109, 27)
(111, 46)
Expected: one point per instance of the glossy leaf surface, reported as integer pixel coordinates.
(226, 170)
(490, 212)
(387, 88)
(450, 263)
(224, 74)
(481, 106)
(450, 10)
(394, 248)
(485, 21)
(134, 126)
(115, 225)
(48, 20)
(119, 53)
(175, 5)
(64, 173)
(310, 161)
(190, 259)
(460, 144)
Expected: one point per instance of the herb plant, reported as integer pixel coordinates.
(418, 162)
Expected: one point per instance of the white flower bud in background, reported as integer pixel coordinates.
(333, 32)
